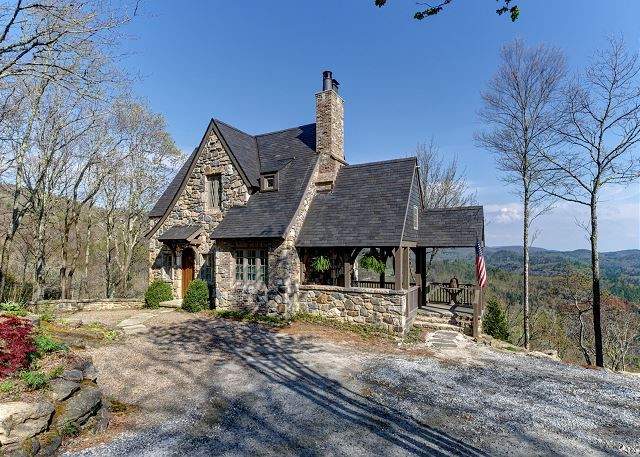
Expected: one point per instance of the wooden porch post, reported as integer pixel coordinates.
(421, 275)
(347, 268)
(406, 270)
(398, 263)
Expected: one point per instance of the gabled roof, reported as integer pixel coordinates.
(181, 233)
(451, 227)
(366, 207)
(292, 154)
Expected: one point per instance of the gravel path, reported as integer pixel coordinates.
(207, 386)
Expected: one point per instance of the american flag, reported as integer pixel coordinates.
(481, 270)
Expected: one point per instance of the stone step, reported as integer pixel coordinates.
(439, 326)
(177, 303)
(441, 320)
(435, 314)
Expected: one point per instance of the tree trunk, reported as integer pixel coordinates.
(38, 290)
(525, 275)
(595, 269)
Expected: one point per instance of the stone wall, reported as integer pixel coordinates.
(72, 306)
(74, 402)
(190, 209)
(382, 308)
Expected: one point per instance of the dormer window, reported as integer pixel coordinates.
(269, 182)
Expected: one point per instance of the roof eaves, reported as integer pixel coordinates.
(406, 209)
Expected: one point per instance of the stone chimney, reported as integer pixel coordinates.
(329, 131)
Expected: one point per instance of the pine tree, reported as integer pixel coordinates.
(495, 321)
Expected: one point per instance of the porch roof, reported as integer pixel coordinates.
(181, 233)
(451, 227)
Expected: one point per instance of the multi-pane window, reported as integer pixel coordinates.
(251, 265)
(269, 182)
(207, 268)
(167, 265)
(415, 218)
(213, 192)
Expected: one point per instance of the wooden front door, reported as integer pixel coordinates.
(188, 266)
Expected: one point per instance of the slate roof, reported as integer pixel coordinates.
(366, 207)
(451, 227)
(179, 233)
(292, 153)
(244, 149)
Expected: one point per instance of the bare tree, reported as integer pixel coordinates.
(601, 129)
(518, 107)
(147, 154)
(444, 184)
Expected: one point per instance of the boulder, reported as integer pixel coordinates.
(49, 443)
(90, 373)
(80, 406)
(102, 420)
(72, 375)
(20, 421)
(62, 389)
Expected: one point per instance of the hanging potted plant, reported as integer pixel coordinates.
(373, 264)
(320, 264)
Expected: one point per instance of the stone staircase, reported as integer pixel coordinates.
(432, 320)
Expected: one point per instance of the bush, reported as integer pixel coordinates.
(157, 292)
(45, 344)
(494, 322)
(34, 379)
(197, 296)
(16, 344)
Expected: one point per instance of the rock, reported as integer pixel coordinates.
(62, 388)
(80, 406)
(348, 305)
(337, 295)
(90, 373)
(102, 419)
(34, 318)
(20, 421)
(72, 375)
(32, 446)
(49, 443)
(334, 312)
(281, 308)
(322, 299)
(364, 312)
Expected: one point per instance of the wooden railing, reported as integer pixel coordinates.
(413, 301)
(440, 292)
(373, 284)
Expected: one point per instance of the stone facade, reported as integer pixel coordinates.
(280, 294)
(190, 209)
(382, 308)
(329, 137)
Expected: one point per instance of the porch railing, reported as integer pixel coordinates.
(440, 292)
(374, 284)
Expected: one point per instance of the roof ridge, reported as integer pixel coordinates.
(232, 127)
(367, 164)
(284, 130)
(459, 208)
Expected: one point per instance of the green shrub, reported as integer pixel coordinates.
(34, 379)
(494, 322)
(11, 306)
(69, 428)
(8, 386)
(157, 292)
(45, 344)
(371, 263)
(197, 296)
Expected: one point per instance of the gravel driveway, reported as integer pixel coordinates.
(207, 386)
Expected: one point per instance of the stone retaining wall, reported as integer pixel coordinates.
(382, 308)
(74, 403)
(73, 306)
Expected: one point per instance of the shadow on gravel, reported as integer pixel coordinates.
(334, 413)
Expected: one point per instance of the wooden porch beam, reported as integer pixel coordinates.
(398, 263)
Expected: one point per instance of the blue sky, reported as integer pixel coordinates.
(257, 64)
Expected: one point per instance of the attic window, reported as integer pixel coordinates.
(415, 218)
(269, 182)
(213, 192)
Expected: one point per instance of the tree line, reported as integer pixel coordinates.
(80, 155)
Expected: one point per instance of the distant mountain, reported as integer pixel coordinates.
(615, 266)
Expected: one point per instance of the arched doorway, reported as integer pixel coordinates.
(188, 267)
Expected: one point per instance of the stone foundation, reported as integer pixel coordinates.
(73, 306)
(382, 308)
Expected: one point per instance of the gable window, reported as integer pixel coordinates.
(207, 268)
(251, 266)
(213, 192)
(415, 217)
(269, 182)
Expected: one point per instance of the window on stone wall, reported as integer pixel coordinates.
(251, 266)
(207, 268)
(213, 192)
(167, 266)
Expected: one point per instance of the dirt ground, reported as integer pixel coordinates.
(200, 385)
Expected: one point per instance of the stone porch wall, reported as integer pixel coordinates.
(382, 308)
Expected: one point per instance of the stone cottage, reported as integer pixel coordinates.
(249, 213)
